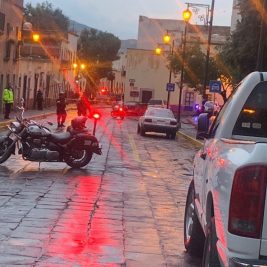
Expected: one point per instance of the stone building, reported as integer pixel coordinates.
(47, 65)
(11, 18)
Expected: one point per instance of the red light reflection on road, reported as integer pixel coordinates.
(81, 237)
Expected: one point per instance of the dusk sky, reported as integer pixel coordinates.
(120, 17)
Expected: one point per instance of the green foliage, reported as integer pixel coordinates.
(98, 50)
(45, 18)
(240, 52)
(194, 65)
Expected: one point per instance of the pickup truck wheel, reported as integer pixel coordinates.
(210, 255)
(193, 234)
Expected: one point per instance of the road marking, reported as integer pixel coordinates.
(134, 148)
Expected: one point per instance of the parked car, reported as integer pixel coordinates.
(133, 108)
(160, 120)
(157, 103)
(226, 206)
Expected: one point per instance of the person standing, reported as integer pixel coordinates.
(39, 100)
(61, 110)
(8, 99)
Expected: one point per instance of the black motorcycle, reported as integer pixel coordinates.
(36, 142)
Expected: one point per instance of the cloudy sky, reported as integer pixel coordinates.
(120, 17)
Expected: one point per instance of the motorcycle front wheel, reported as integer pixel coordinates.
(5, 149)
(78, 158)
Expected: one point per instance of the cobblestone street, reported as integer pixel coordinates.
(125, 208)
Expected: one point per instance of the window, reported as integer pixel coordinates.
(2, 22)
(218, 119)
(252, 120)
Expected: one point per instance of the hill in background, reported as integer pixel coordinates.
(77, 27)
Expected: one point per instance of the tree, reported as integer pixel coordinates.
(240, 52)
(98, 50)
(44, 18)
(194, 65)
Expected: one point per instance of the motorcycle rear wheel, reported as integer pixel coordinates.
(4, 145)
(78, 158)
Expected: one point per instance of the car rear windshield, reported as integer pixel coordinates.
(155, 102)
(252, 120)
(162, 113)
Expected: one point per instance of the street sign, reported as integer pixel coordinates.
(170, 87)
(215, 86)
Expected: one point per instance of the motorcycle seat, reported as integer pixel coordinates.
(61, 138)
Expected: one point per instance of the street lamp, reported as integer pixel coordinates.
(36, 37)
(208, 20)
(186, 16)
(167, 39)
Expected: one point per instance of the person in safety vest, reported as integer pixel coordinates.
(8, 99)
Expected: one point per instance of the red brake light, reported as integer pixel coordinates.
(96, 116)
(247, 201)
(121, 109)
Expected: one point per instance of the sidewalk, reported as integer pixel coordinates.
(32, 114)
(188, 129)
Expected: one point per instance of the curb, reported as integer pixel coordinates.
(191, 139)
(4, 124)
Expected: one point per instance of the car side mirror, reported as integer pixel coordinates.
(202, 126)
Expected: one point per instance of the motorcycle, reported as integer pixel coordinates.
(118, 112)
(36, 142)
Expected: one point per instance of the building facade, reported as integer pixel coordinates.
(147, 74)
(11, 19)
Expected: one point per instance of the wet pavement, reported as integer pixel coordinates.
(125, 208)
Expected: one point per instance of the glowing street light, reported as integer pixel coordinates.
(83, 66)
(166, 38)
(187, 14)
(36, 37)
(158, 51)
(75, 65)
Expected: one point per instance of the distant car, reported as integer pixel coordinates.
(160, 120)
(132, 108)
(157, 103)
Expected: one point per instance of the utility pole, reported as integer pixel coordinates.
(208, 49)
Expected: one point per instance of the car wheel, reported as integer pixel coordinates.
(210, 255)
(138, 129)
(193, 234)
(142, 131)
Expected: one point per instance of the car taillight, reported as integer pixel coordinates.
(121, 109)
(148, 120)
(247, 201)
(173, 122)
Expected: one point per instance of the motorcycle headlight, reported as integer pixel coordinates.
(15, 127)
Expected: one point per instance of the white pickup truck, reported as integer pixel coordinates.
(226, 208)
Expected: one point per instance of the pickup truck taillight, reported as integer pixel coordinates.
(247, 201)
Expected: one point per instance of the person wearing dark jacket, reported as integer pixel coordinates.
(61, 110)
(39, 100)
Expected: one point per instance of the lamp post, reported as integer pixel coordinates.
(167, 39)
(186, 16)
(208, 20)
(208, 49)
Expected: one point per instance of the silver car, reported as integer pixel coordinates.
(159, 120)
